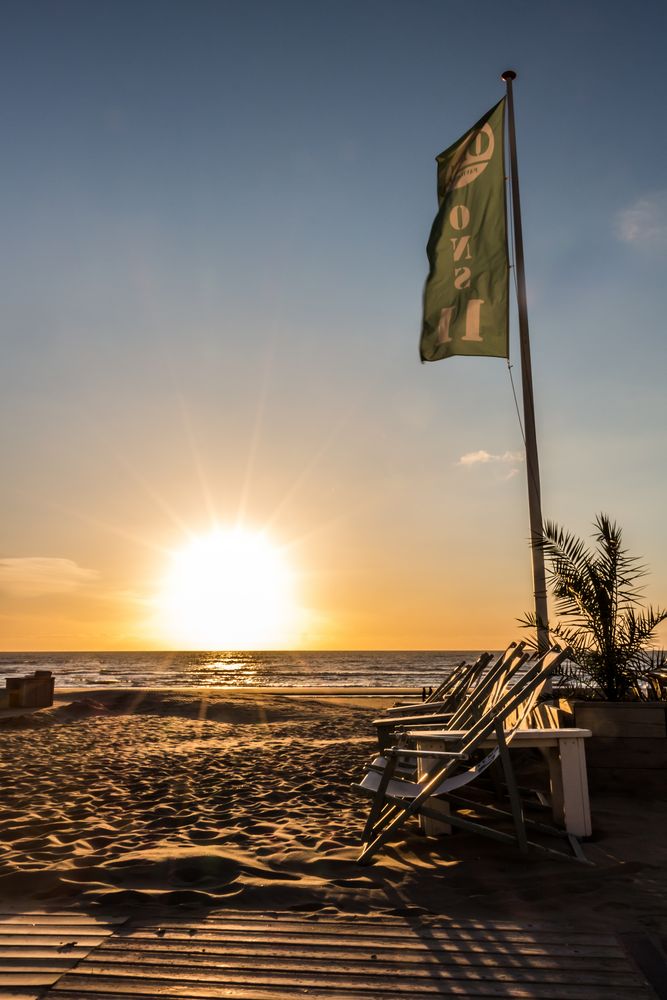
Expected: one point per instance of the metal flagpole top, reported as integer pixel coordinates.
(509, 74)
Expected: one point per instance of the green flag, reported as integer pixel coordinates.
(466, 292)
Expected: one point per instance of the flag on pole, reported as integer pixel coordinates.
(466, 292)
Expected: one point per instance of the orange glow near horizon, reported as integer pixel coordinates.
(231, 589)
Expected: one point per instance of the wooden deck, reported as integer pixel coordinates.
(254, 956)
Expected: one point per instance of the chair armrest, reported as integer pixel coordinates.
(401, 751)
(396, 720)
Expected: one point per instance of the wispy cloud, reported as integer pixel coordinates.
(33, 576)
(645, 221)
(484, 457)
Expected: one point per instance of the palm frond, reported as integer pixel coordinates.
(596, 593)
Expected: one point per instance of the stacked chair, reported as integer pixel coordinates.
(483, 727)
(454, 684)
(476, 688)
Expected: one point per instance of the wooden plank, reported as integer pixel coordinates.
(260, 993)
(646, 753)
(376, 931)
(621, 715)
(21, 993)
(376, 925)
(38, 948)
(37, 917)
(428, 968)
(45, 930)
(255, 993)
(507, 954)
(29, 964)
(29, 979)
(424, 941)
(232, 955)
(354, 920)
(80, 986)
(55, 940)
(26, 952)
(373, 931)
(265, 957)
(94, 989)
(619, 727)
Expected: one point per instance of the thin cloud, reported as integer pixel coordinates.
(644, 222)
(34, 576)
(485, 457)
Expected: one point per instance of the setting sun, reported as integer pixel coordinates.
(232, 589)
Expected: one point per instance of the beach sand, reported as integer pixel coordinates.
(192, 798)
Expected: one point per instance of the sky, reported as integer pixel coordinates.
(212, 260)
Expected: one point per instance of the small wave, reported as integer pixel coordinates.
(226, 668)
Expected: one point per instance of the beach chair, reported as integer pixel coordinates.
(478, 702)
(451, 690)
(396, 797)
(434, 694)
(461, 711)
(448, 684)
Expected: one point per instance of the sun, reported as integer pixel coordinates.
(231, 589)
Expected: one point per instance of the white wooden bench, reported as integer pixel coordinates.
(565, 752)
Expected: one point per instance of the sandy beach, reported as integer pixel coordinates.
(197, 798)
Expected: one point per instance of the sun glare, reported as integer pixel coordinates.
(231, 589)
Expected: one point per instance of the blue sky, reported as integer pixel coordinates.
(213, 253)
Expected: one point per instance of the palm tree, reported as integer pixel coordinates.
(597, 594)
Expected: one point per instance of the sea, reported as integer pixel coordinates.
(239, 669)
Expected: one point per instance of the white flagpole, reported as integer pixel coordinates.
(532, 463)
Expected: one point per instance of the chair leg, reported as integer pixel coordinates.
(392, 822)
(512, 789)
(377, 803)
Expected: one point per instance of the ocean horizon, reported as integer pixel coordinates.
(233, 668)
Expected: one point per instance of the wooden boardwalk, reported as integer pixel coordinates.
(37, 949)
(274, 956)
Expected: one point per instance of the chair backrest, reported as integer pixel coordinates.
(542, 716)
(487, 692)
(449, 683)
(508, 713)
(473, 703)
(493, 686)
(464, 678)
(520, 695)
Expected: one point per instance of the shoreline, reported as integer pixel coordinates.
(370, 697)
(341, 690)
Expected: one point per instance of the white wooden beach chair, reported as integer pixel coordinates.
(396, 796)
(451, 691)
(458, 713)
